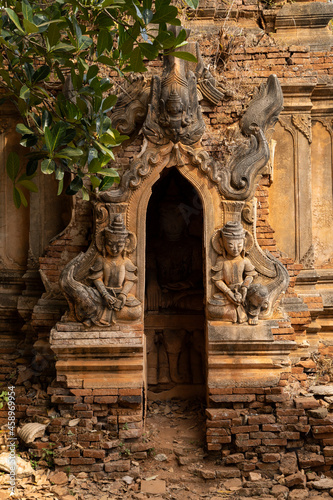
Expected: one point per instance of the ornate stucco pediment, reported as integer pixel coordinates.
(169, 115)
(173, 128)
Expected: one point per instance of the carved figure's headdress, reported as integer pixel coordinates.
(117, 227)
(174, 98)
(233, 230)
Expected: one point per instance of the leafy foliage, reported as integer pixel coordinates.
(67, 128)
(3, 399)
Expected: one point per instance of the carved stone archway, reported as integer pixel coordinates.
(137, 210)
(100, 344)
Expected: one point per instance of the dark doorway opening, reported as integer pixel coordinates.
(174, 316)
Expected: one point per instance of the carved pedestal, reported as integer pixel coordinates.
(101, 372)
(96, 358)
(245, 365)
(244, 356)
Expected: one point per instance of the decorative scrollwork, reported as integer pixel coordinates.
(308, 258)
(303, 124)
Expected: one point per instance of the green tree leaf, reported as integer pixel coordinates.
(13, 165)
(109, 172)
(187, 56)
(192, 3)
(92, 72)
(136, 61)
(60, 187)
(128, 38)
(95, 165)
(104, 41)
(166, 39)
(53, 35)
(14, 18)
(55, 136)
(31, 186)
(22, 197)
(63, 47)
(85, 194)
(109, 102)
(104, 150)
(41, 73)
(180, 38)
(95, 181)
(27, 11)
(22, 129)
(16, 197)
(85, 42)
(165, 14)
(69, 136)
(25, 93)
(74, 186)
(105, 84)
(5, 76)
(106, 183)
(29, 140)
(29, 70)
(69, 153)
(59, 174)
(30, 27)
(46, 119)
(59, 74)
(106, 60)
(148, 50)
(48, 166)
(127, 46)
(31, 167)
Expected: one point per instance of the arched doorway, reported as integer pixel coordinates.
(174, 316)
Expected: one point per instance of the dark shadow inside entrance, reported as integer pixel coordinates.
(174, 316)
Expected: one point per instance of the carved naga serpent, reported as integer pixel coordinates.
(238, 179)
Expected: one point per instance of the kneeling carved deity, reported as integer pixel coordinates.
(103, 297)
(233, 273)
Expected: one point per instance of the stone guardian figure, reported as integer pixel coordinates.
(103, 296)
(233, 273)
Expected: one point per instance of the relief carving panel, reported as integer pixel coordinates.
(246, 281)
(322, 189)
(98, 284)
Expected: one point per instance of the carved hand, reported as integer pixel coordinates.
(121, 301)
(109, 300)
(243, 292)
(235, 298)
(238, 297)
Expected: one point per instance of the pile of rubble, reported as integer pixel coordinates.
(176, 465)
(197, 481)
